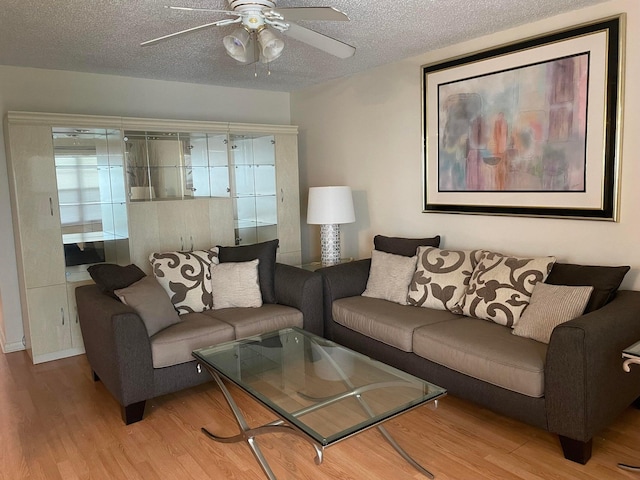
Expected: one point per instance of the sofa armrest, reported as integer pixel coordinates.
(585, 385)
(346, 279)
(341, 281)
(117, 345)
(301, 289)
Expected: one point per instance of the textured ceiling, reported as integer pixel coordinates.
(103, 36)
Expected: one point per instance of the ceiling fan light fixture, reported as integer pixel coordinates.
(236, 44)
(271, 46)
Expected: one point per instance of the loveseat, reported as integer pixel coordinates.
(137, 358)
(573, 386)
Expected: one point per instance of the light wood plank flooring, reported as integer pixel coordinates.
(56, 423)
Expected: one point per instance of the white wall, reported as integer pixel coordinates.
(365, 131)
(36, 90)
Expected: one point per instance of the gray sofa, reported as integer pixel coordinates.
(135, 367)
(581, 385)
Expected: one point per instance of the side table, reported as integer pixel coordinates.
(631, 355)
(313, 266)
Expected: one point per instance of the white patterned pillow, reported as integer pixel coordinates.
(441, 278)
(186, 278)
(550, 306)
(501, 286)
(235, 284)
(389, 276)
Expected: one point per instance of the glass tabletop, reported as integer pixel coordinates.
(328, 391)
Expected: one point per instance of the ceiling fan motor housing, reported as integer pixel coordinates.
(251, 10)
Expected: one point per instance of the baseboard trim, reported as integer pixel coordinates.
(12, 347)
(47, 357)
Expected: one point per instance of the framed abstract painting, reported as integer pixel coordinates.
(530, 128)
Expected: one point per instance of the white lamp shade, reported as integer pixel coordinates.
(330, 205)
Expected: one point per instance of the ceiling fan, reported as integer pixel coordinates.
(254, 38)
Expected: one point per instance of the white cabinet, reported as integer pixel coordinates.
(288, 190)
(48, 318)
(89, 189)
(182, 225)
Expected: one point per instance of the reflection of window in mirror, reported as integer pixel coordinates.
(93, 215)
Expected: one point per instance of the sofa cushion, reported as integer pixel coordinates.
(486, 351)
(186, 278)
(385, 321)
(255, 321)
(266, 253)
(151, 302)
(235, 284)
(550, 306)
(403, 246)
(604, 280)
(174, 344)
(500, 286)
(441, 278)
(390, 276)
(110, 276)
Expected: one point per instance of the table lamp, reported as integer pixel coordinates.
(329, 207)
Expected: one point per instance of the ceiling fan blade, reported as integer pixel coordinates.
(320, 41)
(311, 13)
(226, 21)
(191, 9)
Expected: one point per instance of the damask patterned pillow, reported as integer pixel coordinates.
(441, 278)
(186, 278)
(500, 287)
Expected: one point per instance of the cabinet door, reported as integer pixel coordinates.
(143, 233)
(49, 320)
(184, 225)
(35, 192)
(288, 194)
(74, 322)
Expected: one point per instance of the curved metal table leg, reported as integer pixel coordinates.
(248, 434)
(630, 468)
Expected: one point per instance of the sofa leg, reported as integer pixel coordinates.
(636, 403)
(575, 450)
(95, 376)
(133, 413)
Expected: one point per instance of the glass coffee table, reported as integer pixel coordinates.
(319, 390)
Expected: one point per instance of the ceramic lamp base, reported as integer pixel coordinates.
(329, 244)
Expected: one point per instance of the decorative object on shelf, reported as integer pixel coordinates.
(329, 207)
(508, 131)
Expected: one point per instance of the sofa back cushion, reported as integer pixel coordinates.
(403, 246)
(604, 280)
(109, 276)
(441, 278)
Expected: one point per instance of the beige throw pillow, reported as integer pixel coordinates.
(389, 276)
(550, 306)
(235, 284)
(441, 278)
(186, 278)
(151, 302)
(501, 286)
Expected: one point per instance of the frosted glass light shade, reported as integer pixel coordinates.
(330, 205)
(236, 44)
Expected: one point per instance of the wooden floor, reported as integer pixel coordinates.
(56, 423)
